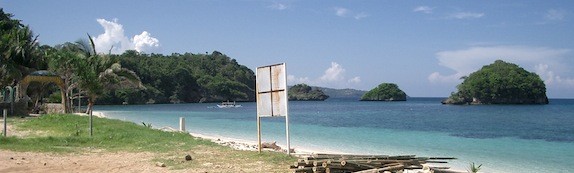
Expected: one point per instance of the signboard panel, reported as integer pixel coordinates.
(271, 91)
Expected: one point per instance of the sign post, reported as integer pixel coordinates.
(272, 100)
(5, 112)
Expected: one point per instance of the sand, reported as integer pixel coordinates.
(11, 161)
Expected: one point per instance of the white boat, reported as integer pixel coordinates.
(228, 105)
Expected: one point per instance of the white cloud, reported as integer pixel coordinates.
(555, 15)
(361, 15)
(278, 6)
(292, 80)
(538, 59)
(333, 77)
(333, 73)
(436, 77)
(466, 15)
(356, 79)
(423, 9)
(113, 39)
(551, 79)
(145, 43)
(342, 12)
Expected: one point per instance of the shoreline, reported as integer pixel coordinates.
(250, 145)
(235, 143)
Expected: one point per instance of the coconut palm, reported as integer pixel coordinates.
(18, 50)
(96, 73)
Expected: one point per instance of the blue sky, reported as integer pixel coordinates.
(423, 46)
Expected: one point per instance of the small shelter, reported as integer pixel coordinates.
(45, 77)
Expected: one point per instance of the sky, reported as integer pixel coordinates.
(422, 46)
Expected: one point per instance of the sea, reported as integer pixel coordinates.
(501, 138)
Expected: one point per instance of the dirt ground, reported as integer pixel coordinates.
(93, 162)
(204, 160)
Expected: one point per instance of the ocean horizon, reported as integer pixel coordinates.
(503, 138)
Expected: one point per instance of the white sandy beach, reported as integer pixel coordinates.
(249, 145)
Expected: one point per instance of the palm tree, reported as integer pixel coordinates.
(18, 52)
(18, 48)
(98, 72)
(63, 60)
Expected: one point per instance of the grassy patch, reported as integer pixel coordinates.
(69, 133)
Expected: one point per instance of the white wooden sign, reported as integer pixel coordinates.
(272, 101)
(271, 91)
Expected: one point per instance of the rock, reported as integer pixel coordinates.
(188, 157)
(160, 164)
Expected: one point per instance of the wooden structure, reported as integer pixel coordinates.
(332, 163)
(44, 77)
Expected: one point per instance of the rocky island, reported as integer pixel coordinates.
(385, 92)
(500, 83)
(303, 92)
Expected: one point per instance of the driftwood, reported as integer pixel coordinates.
(272, 145)
(337, 163)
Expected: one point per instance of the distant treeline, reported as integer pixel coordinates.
(183, 78)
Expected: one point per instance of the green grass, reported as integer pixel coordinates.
(66, 133)
(70, 133)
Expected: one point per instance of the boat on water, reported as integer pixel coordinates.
(228, 104)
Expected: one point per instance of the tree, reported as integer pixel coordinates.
(304, 92)
(18, 48)
(64, 61)
(385, 92)
(97, 72)
(500, 83)
(18, 53)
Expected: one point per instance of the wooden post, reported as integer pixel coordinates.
(79, 101)
(259, 133)
(12, 99)
(91, 123)
(5, 122)
(182, 124)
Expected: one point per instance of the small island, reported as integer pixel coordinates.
(303, 92)
(385, 92)
(500, 83)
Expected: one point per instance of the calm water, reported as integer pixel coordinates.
(504, 138)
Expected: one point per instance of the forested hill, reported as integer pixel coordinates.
(187, 77)
(342, 93)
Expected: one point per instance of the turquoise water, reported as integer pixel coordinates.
(504, 138)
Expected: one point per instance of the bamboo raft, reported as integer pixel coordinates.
(333, 163)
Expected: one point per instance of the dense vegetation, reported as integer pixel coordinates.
(385, 92)
(184, 78)
(303, 92)
(500, 83)
(342, 93)
(117, 79)
(19, 50)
